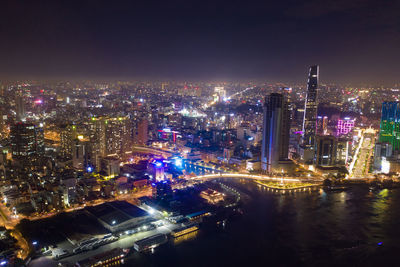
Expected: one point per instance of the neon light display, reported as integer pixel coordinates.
(345, 126)
(167, 134)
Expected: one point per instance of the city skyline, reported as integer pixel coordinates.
(199, 133)
(134, 160)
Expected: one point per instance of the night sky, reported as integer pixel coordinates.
(352, 40)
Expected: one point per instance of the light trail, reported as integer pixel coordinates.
(356, 153)
(242, 175)
(229, 97)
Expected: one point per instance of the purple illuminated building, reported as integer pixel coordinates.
(345, 126)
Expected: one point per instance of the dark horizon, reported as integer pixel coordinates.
(354, 42)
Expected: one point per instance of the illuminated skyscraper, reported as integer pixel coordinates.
(326, 148)
(68, 134)
(118, 135)
(388, 146)
(310, 110)
(287, 91)
(20, 107)
(220, 94)
(322, 125)
(96, 133)
(390, 124)
(307, 147)
(142, 135)
(275, 141)
(1, 123)
(108, 136)
(27, 141)
(78, 154)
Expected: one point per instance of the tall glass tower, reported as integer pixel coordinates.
(390, 124)
(310, 110)
(275, 140)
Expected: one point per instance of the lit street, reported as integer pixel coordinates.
(362, 161)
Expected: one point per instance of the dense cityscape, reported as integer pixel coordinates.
(199, 133)
(138, 156)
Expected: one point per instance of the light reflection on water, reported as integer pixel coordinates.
(356, 227)
(187, 237)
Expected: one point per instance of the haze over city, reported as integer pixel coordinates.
(199, 133)
(353, 41)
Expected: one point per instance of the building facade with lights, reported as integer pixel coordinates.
(27, 140)
(388, 146)
(390, 124)
(310, 115)
(276, 123)
(326, 149)
(345, 126)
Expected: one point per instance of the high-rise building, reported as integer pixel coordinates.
(310, 110)
(285, 129)
(220, 94)
(388, 146)
(307, 146)
(325, 150)
(142, 135)
(322, 125)
(68, 134)
(287, 92)
(1, 123)
(78, 154)
(343, 148)
(20, 107)
(96, 133)
(108, 136)
(117, 135)
(390, 124)
(382, 151)
(276, 123)
(110, 166)
(27, 140)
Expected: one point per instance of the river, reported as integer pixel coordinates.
(356, 227)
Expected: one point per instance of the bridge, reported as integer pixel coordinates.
(244, 176)
(199, 167)
(206, 171)
(152, 151)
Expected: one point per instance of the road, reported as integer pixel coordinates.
(8, 220)
(361, 166)
(127, 197)
(153, 151)
(211, 103)
(254, 177)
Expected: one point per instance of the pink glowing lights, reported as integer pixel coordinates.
(345, 126)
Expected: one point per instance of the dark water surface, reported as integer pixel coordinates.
(356, 227)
